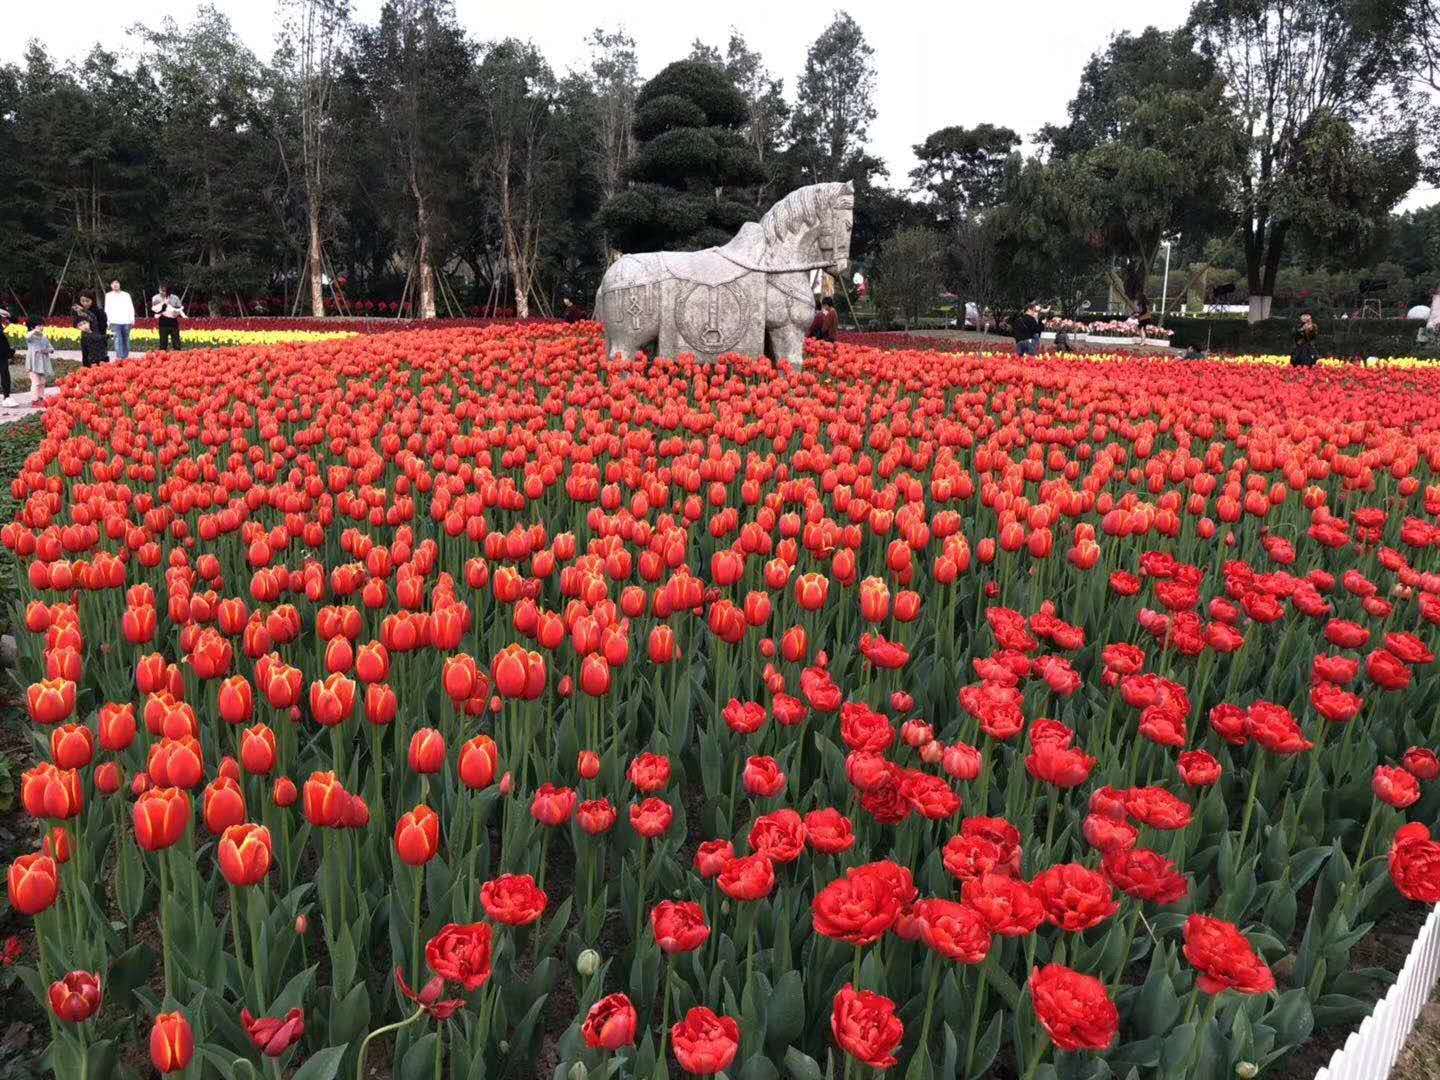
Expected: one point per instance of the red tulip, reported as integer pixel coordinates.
(172, 1043)
(610, 1024)
(76, 997)
(34, 883)
(417, 836)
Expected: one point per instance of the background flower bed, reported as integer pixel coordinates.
(904, 601)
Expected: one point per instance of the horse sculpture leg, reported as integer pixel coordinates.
(787, 319)
(788, 341)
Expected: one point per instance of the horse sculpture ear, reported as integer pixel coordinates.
(850, 186)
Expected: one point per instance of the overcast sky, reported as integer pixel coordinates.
(938, 63)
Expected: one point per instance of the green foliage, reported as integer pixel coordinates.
(1338, 337)
(909, 273)
(963, 169)
(1052, 249)
(695, 157)
(708, 87)
(1316, 137)
(665, 112)
(1150, 149)
(834, 105)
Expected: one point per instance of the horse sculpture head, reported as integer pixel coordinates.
(811, 227)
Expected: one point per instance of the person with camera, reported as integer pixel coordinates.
(168, 312)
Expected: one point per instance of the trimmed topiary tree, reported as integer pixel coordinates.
(688, 178)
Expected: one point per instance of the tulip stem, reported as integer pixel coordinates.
(1195, 1051)
(544, 856)
(640, 891)
(1050, 827)
(855, 974)
(166, 962)
(1357, 876)
(980, 990)
(1249, 808)
(415, 930)
(365, 1046)
(1125, 953)
(929, 1001)
(239, 948)
(665, 1013)
(255, 917)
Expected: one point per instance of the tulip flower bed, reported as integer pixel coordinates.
(66, 336)
(462, 702)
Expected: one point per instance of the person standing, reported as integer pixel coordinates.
(829, 320)
(1305, 354)
(120, 311)
(1026, 330)
(38, 352)
(90, 321)
(7, 354)
(165, 306)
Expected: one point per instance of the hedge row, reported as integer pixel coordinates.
(1338, 337)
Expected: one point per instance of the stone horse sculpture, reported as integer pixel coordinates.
(725, 299)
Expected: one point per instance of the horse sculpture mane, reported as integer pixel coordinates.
(769, 245)
(794, 213)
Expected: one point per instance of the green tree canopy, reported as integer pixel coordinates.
(962, 169)
(694, 158)
(1150, 149)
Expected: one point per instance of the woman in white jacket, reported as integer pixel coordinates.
(120, 313)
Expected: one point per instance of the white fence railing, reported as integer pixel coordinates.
(1370, 1052)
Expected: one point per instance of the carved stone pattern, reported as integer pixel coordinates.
(711, 318)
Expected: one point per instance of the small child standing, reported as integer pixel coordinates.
(38, 351)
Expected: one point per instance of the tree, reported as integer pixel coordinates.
(690, 123)
(1150, 147)
(1128, 68)
(1049, 243)
(516, 96)
(1298, 73)
(908, 274)
(212, 152)
(972, 262)
(614, 79)
(410, 69)
(834, 106)
(764, 96)
(307, 60)
(961, 169)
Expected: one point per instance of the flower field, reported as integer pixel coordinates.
(66, 336)
(462, 704)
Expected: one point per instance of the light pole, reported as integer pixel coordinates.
(1165, 286)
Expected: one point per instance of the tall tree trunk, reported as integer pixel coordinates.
(519, 271)
(1254, 280)
(425, 273)
(317, 262)
(1262, 266)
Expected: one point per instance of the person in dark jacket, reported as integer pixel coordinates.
(1026, 330)
(7, 355)
(1305, 354)
(90, 321)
